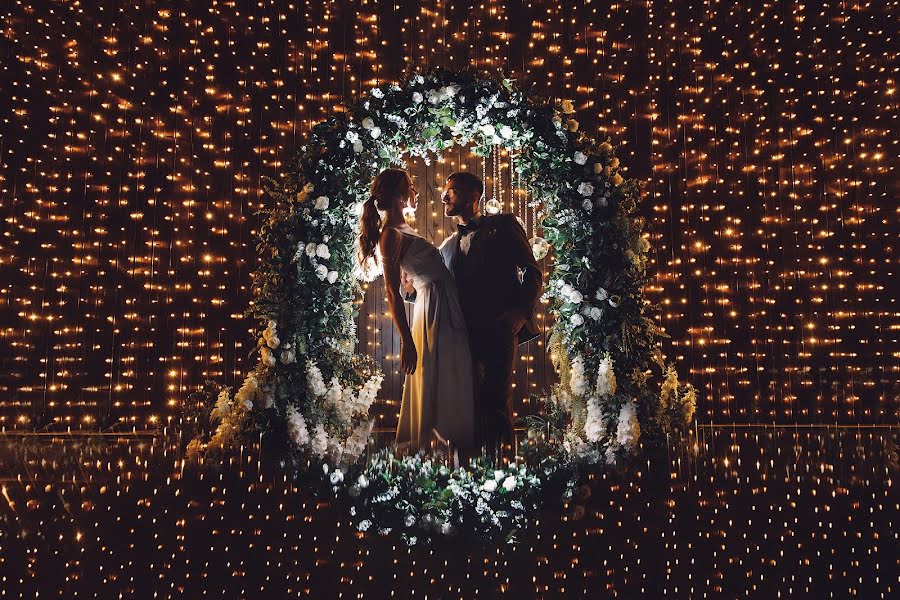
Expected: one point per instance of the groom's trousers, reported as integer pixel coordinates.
(493, 351)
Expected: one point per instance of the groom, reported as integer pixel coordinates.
(499, 285)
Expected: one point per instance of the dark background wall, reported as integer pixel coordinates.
(133, 138)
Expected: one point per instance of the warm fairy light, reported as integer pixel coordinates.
(134, 139)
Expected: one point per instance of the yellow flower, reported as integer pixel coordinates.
(617, 179)
(605, 147)
(568, 107)
(572, 125)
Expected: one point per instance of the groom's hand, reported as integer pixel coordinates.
(512, 321)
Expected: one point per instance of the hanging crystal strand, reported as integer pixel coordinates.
(492, 206)
(539, 246)
(484, 181)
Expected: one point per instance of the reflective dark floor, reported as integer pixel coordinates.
(745, 512)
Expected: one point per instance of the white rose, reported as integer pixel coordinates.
(498, 474)
(566, 290)
(602, 294)
(417, 98)
(352, 136)
(489, 130)
(311, 249)
(585, 188)
(580, 158)
(322, 203)
(376, 131)
(587, 205)
(322, 272)
(577, 320)
(576, 297)
(266, 356)
(322, 251)
(489, 486)
(506, 132)
(509, 484)
(332, 276)
(596, 313)
(358, 146)
(377, 93)
(368, 123)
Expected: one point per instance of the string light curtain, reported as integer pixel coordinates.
(133, 140)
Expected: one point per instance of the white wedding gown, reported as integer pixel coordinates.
(439, 398)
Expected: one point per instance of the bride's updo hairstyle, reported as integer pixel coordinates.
(388, 187)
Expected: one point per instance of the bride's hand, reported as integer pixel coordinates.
(408, 357)
(407, 283)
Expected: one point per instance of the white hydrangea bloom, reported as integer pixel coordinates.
(577, 380)
(585, 188)
(606, 377)
(296, 427)
(222, 407)
(319, 442)
(314, 380)
(629, 430)
(594, 424)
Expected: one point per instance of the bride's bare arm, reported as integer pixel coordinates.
(391, 250)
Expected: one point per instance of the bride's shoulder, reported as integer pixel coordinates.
(447, 240)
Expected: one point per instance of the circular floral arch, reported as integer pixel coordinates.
(312, 393)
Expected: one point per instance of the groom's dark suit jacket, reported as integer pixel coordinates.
(499, 273)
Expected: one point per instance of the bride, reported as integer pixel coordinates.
(438, 393)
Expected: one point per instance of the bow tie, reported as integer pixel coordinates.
(467, 228)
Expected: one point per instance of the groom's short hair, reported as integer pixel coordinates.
(469, 182)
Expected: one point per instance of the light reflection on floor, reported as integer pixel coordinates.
(747, 512)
